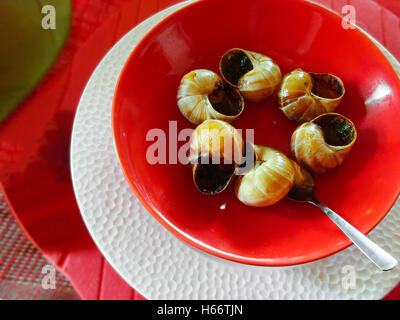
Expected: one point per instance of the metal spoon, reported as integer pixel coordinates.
(304, 191)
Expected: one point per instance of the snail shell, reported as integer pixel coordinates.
(269, 181)
(305, 95)
(324, 142)
(203, 95)
(216, 151)
(257, 76)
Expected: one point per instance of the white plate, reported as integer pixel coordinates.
(159, 265)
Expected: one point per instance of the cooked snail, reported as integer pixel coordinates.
(305, 95)
(203, 95)
(216, 151)
(324, 142)
(269, 181)
(256, 75)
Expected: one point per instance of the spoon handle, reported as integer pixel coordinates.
(376, 254)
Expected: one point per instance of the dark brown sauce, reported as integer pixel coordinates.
(226, 100)
(337, 131)
(234, 65)
(213, 178)
(326, 86)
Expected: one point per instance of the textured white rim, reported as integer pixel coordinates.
(75, 148)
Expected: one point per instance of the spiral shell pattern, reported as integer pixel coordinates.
(203, 95)
(269, 181)
(217, 139)
(303, 96)
(311, 149)
(255, 75)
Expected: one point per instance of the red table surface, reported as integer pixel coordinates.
(35, 139)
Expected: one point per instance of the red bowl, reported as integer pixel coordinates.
(295, 34)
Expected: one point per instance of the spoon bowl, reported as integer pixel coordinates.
(303, 190)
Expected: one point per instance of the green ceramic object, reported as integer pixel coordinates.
(27, 50)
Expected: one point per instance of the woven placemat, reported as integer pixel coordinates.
(24, 272)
